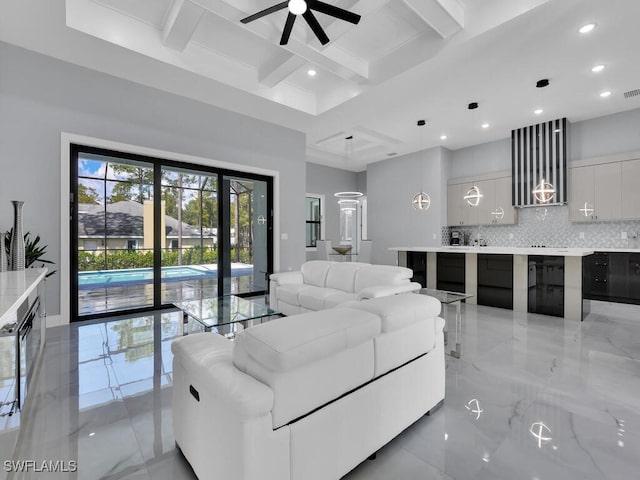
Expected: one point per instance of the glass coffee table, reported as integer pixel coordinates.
(450, 298)
(230, 311)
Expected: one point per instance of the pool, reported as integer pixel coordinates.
(138, 276)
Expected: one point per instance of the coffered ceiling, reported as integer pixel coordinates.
(405, 60)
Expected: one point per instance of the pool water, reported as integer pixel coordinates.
(137, 276)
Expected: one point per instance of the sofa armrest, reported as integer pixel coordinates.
(207, 361)
(286, 277)
(388, 290)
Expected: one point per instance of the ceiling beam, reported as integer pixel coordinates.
(181, 22)
(356, 72)
(446, 17)
(337, 28)
(279, 69)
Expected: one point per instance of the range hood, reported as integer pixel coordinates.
(539, 152)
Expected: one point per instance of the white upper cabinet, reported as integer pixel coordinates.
(503, 211)
(459, 212)
(494, 207)
(630, 189)
(596, 193)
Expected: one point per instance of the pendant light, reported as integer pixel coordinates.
(348, 201)
(421, 201)
(473, 195)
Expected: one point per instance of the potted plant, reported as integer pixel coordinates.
(34, 252)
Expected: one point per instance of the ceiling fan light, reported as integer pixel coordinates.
(297, 7)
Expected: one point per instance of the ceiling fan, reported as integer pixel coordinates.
(304, 8)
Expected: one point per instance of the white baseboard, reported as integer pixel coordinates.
(56, 321)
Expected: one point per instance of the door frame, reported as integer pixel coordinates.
(168, 158)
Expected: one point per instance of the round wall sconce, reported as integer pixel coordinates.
(473, 196)
(544, 191)
(421, 202)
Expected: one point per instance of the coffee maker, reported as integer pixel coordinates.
(456, 238)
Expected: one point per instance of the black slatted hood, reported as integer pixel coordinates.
(539, 152)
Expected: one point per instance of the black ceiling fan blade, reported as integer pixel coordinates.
(315, 26)
(288, 26)
(334, 11)
(265, 12)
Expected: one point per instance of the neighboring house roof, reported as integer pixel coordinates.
(125, 219)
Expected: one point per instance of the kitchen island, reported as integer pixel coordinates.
(542, 280)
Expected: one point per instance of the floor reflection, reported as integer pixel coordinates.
(531, 397)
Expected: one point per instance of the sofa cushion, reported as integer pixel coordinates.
(342, 276)
(314, 298)
(291, 342)
(315, 272)
(400, 346)
(338, 298)
(399, 311)
(289, 293)
(375, 275)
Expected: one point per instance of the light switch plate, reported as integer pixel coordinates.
(623, 235)
(284, 236)
(581, 235)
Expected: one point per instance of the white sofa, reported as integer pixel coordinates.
(310, 396)
(323, 284)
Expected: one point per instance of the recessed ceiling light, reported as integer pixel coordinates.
(605, 94)
(597, 68)
(587, 28)
(538, 111)
(443, 137)
(485, 125)
(312, 73)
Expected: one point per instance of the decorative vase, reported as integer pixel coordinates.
(17, 238)
(3, 254)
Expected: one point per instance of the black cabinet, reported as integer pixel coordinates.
(417, 261)
(495, 280)
(546, 285)
(633, 278)
(611, 277)
(451, 272)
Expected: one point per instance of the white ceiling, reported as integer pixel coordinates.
(406, 60)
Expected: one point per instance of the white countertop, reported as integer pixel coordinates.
(15, 288)
(554, 252)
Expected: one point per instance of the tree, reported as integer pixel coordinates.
(135, 183)
(88, 195)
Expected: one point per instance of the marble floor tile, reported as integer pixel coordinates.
(532, 398)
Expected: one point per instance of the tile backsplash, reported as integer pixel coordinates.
(550, 227)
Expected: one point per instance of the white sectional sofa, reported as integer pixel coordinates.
(322, 284)
(309, 396)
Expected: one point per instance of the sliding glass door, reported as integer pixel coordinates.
(249, 230)
(190, 235)
(114, 225)
(147, 232)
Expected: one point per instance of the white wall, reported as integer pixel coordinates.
(391, 185)
(40, 97)
(480, 159)
(618, 133)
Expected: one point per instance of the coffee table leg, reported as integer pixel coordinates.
(456, 353)
(445, 332)
(185, 322)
